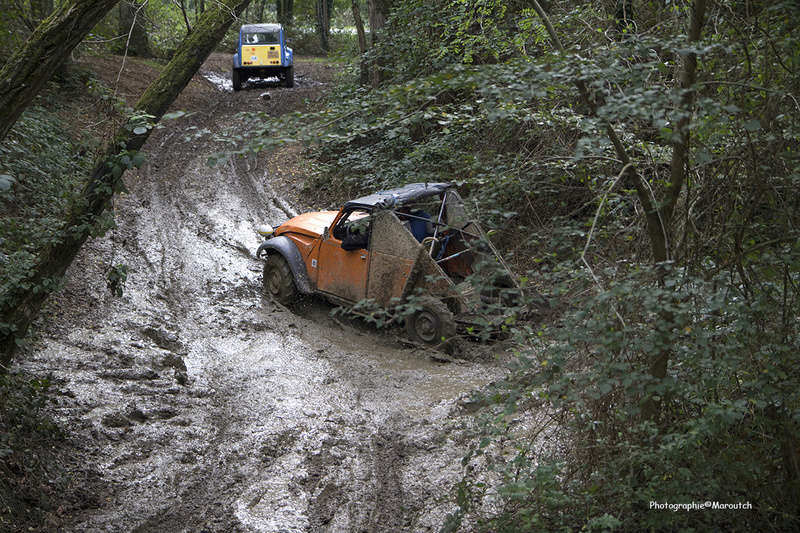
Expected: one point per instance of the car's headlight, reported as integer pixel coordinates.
(265, 230)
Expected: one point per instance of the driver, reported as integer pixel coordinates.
(357, 235)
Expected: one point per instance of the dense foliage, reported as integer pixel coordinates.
(481, 96)
(41, 166)
(29, 476)
(156, 28)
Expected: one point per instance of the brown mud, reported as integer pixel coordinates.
(194, 403)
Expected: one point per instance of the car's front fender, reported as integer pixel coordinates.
(284, 246)
(237, 62)
(289, 57)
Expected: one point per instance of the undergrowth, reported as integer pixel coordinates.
(41, 166)
(28, 466)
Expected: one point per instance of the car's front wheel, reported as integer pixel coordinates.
(278, 280)
(433, 324)
(236, 78)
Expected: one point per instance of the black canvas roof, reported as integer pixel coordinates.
(401, 195)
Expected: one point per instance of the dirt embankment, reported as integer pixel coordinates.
(193, 403)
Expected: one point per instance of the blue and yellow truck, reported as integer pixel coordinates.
(262, 53)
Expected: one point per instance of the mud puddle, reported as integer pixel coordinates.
(204, 407)
(223, 81)
(220, 81)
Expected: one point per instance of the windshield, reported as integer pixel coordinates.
(262, 37)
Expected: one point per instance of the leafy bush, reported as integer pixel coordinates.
(26, 458)
(728, 413)
(45, 167)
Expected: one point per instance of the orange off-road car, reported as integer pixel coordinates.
(411, 244)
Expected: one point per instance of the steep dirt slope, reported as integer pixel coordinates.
(197, 405)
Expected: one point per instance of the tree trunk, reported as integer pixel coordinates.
(378, 13)
(131, 23)
(323, 12)
(680, 146)
(657, 218)
(26, 72)
(22, 303)
(680, 157)
(362, 43)
(261, 10)
(655, 228)
(199, 8)
(40, 10)
(182, 5)
(285, 11)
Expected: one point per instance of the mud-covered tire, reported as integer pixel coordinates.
(236, 78)
(289, 77)
(433, 324)
(278, 280)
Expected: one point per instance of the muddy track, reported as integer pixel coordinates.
(194, 404)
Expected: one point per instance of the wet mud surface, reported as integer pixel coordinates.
(194, 403)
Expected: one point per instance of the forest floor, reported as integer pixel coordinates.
(192, 403)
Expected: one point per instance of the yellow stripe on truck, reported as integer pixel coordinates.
(261, 56)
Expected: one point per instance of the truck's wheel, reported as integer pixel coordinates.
(433, 324)
(236, 78)
(289, 76)
(278, 280)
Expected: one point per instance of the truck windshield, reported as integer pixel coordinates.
(261, 38)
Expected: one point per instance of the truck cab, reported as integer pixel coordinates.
(261, 52)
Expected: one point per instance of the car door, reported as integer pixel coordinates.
(343, 273)
(393, 253)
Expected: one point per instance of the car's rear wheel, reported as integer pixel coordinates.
(278, 280)
(236, 78)
(289, 76)
(433, 324)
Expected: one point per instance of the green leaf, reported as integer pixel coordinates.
(139, 130)
(173, 115)
(702, 157)
(752, 125)
(6, 182)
